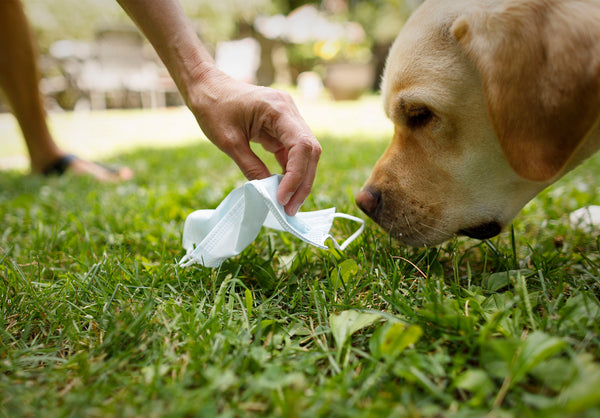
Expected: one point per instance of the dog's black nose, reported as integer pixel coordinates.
(482, 231)
(369, 200)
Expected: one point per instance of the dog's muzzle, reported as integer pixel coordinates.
(369, 201)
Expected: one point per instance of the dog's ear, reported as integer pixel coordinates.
(540, 67)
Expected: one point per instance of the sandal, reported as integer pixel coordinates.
(61, 165)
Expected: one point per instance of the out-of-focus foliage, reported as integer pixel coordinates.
(80, 19)
(381, 19)
(71, 19)
(218, 20)
(214, 20)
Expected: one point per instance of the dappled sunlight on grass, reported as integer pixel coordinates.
(99, 135)
(97, 318)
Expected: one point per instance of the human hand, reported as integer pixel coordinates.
(232, 113)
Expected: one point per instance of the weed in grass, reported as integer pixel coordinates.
(98, 319)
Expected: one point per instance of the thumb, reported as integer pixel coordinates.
(251, 166)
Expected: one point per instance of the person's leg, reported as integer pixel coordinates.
(19, 78)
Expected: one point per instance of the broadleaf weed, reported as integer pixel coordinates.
(97, 318)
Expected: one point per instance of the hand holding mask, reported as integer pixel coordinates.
(212, 235)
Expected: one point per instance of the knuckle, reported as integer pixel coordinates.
(317, 150)
(228, 143)
(307, 145)
(252, 173)
(279, 96)
(277, 103)
(305, 148)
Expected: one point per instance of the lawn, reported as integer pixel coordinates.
(97, 318)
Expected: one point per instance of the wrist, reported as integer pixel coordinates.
(203, 87)
(191, 67)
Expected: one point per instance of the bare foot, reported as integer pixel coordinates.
(99, 172)
(72, 164)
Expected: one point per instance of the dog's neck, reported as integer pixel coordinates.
(589, 146)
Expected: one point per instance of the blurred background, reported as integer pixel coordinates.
(107, 93)
(93, 57)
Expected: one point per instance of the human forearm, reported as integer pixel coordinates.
(231, 113)
(165, 25)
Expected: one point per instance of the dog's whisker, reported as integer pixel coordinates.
(409, 226)
(432, 218)
(432, 228)
(420, 234)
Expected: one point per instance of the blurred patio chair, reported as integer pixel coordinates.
(116, 70)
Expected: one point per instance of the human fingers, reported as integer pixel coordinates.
(300, 159)
(280, 128)
(299, 165)
(275, 147)
(299, 176)
(249, 163)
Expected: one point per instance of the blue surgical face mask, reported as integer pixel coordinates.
(212, 235)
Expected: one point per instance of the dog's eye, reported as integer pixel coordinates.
(417, 117)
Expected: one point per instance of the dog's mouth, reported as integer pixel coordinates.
(417, 227)
(482, 231)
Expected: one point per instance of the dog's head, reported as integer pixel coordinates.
(491, 102)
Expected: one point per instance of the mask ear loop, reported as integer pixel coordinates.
(352, 237)
(191, 258)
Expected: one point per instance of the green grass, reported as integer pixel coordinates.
(97, 319)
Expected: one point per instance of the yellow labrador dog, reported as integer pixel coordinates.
(492, 101)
